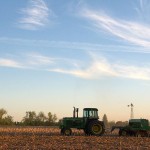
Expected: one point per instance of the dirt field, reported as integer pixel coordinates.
(33, 138)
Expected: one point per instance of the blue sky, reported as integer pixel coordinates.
(58, 54)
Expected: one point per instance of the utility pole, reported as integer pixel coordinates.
(131, 114)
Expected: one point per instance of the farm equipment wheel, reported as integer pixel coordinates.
(146, 134)
(141, 134)
(122, 133)
(66, 131)
(96, 128)
(138, 134)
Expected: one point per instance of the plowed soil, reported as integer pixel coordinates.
(46, 138)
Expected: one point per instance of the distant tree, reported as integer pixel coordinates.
(7, 120)
(54, 118)
(32, 115)
(105, 120)
(30, 118)
(41, 119)
(51, 119)
(2, 113)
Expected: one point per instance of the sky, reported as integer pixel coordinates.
(55, 55)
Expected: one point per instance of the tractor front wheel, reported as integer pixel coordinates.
(66, 131)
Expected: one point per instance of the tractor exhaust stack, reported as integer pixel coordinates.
(75, 112)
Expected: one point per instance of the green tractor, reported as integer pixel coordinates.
(136, 127)
(89, 122)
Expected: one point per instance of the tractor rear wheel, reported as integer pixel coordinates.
(96, 128)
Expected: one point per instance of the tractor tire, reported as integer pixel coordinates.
(123, 133)
(146, 134)
(141, 134)
(66, 131)
(96, 128)
(138, 134)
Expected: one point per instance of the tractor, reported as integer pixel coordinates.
(136, 127)
(89, 122)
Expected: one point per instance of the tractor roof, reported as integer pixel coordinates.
(91, 109)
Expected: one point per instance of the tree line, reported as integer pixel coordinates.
(31, 118)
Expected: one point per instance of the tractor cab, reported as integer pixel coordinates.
(90, 113)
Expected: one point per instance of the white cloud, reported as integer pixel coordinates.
(101, 67)
(132, 32)
(75, 45)
(35, 15)
(29, 61)
(98, 67)
(94, 71)
(37, 59)
(133, 72)
(10, 63)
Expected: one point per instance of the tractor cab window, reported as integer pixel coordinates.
(90, 114)
(85, 113)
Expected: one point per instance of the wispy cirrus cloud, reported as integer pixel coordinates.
(143, 10)
(5, 62)
(36, 15)
(132, 72)
(75, 45)
(95, 70)
(37, 59)
(133, 32)
(26, 61)
(98, 67)
(101, 67)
